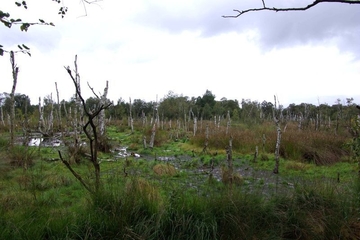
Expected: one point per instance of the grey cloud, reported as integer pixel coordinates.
(277, 29)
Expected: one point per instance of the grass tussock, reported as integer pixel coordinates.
(164, 169)
(229, 177)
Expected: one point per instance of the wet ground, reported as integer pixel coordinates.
(252, 179)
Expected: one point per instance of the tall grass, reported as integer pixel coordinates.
(319, 147)
(135, 208)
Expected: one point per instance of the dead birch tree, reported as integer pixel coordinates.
(228, 122)
(131, 121)
(278, 137)
(102, 112)
(152, 138)
(15, 71)
(2, 116)
(91, 133)
(58, 107)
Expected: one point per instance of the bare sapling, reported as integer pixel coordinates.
(91, 133)
(278, 137)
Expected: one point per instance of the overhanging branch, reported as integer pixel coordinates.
(275, 9)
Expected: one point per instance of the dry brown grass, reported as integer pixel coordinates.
(231, 178)
(164, 169)
(351, 230)
(319, 147)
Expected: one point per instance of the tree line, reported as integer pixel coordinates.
(205, 107)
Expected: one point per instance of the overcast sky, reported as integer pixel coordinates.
(147, 48)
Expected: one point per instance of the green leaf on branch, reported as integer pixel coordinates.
(42, 21)
(15, 20)
(26, 47)
(4, 15)
(24, 27)
(20, 47)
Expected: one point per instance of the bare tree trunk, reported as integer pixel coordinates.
(26, 136)
(15, 71)
(228, 122)
(278, 139)
(50, 127)
(256, 154)
(102, 112)
(91, 133)
(206, 139)
(144, 141)
(58, 107)
(230, 160)
(143, 118)
(131, 121)
(152, 139)
(2, 116)
(195, 125)
(41, 123)
(263, 142)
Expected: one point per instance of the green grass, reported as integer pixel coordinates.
(305, 202)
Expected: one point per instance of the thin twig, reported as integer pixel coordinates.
(264, 8)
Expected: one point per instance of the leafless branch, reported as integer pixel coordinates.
(92, 89)
(78, 177)
(275, 9)
(92, 135)
(88, 2)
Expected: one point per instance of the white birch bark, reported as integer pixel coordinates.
(195, 126)
(152, 139)
(228, 122)
(206, 138)
(278, 139)
(41, 123)
(58, 106)
(102, 112)
(2, 116)
(51, 117)
(131, 123)
(15, 71)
